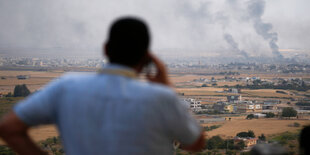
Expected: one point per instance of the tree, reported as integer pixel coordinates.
(242, 134)
(250, 133)
(262, 137)
(215, 142)
(270, 115)
(240, 145)
(231, 152)
(229, 144)
(250, 116)
(204, 85)
(289, 112)
(21, 91)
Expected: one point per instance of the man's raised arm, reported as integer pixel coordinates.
(14, 132)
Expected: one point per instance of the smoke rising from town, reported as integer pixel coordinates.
(251, 28)
(235, 47)
(256, 9)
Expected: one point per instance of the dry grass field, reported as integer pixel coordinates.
(205, 91)
(271, 76)
(35, 82)
(259, 126)
(264, 93)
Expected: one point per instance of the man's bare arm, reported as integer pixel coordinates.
(14, 132)
(196, 146)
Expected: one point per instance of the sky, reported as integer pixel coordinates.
(241, 28)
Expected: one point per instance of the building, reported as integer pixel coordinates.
(234, 98)
(249, 142)
(259, 115)
(223, 107)
(194, 105)
(234, 90)
(249, 108)
(270, 107)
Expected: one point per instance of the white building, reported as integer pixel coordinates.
(194, 105)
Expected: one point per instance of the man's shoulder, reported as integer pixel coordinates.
(76, 77)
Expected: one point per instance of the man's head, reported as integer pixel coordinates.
(128, 42)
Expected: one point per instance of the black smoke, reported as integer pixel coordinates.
(235, 47)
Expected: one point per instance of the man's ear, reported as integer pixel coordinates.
(105, 49)
(146, 58)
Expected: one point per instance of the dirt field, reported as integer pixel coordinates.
(35, 82)
(259, 126)
(265, 93)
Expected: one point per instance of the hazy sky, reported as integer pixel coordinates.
(246, 27)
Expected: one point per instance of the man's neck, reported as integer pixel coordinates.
(137, 68)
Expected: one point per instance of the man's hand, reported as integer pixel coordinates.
(14, 132)
(161, 75)
(197, 146)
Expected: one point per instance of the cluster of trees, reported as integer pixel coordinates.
(19, 91)
(204, 85)
(216, 142)
(289, 140)
(213, 112)
(281, 92)
(250, 116)
(249, 134)
(229, 73)
(289, 112)
(258, 85)
(270, 115)
(286, 112)
(212, 127)
(262, 137)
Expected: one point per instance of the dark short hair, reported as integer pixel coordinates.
(128, 41)
(304, 140)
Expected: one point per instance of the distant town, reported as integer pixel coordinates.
(175, 66)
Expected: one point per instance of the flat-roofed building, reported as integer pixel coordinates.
(249, 108)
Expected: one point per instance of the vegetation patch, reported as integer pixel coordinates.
(7, 103)
(287, 139)
(212, 127)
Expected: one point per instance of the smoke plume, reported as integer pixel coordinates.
(256, 9)
(230, 40)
